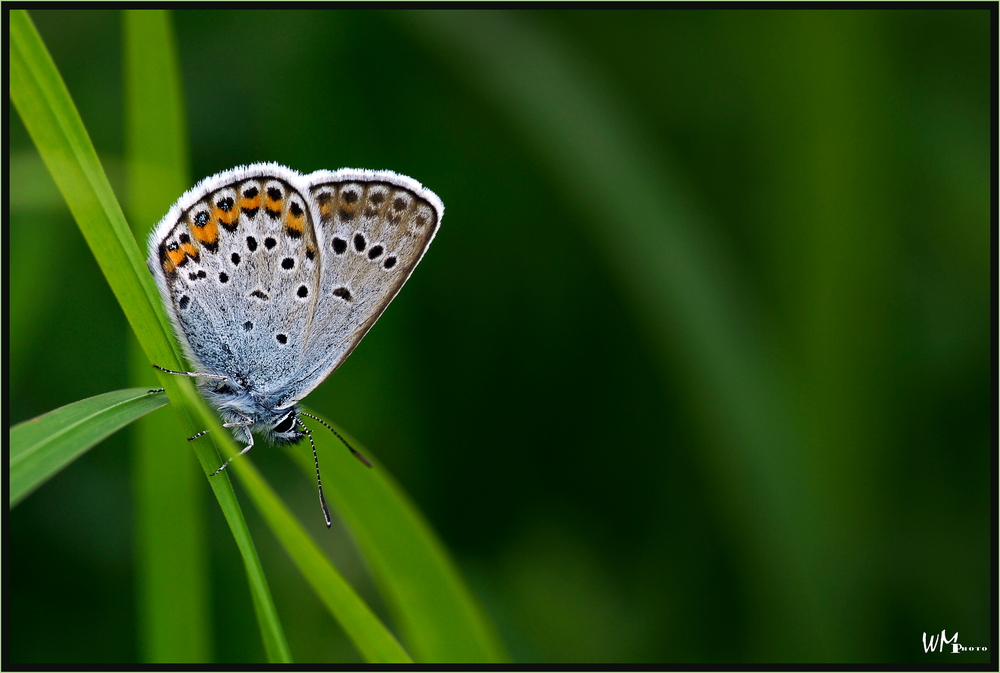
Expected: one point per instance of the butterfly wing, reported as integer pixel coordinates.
(373, 227)
(236, 262)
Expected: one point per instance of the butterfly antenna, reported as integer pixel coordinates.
(319, 481)
(349, 447)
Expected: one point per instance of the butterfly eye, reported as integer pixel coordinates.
(285, 425)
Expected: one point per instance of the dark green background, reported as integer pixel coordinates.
(807, 479)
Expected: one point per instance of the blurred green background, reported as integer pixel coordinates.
(696, 370)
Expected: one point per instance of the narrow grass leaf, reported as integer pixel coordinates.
(439, 618)
(51, 118)
(371, 638)
(42, 446)
(48, 113)
(43, 102)
(677, 280)
(171, 531)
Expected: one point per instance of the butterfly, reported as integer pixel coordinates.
(271, 278)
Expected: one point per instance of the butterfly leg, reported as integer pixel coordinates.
(242, 423)
(194, 375)
(191, 374)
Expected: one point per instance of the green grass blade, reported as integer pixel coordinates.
(653, 238)
(171, 536)
(371, 638)
(171, 548)
(439, 618)
(156, 139)
(157, 161)
(42, 446)
(44, 104)
(48, 113)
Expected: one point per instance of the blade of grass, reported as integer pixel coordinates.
(439, 618)
(675, 278)
(156, 160)
(45, 106)
(48, 113)
(171, 550)
(371, 638)
(34, 290)
(42, 446)
(43, 102)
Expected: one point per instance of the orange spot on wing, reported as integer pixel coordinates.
(222, 216)
(176, 256)
(190, 250)
(250, 204)
(294, 223)
(209, 234)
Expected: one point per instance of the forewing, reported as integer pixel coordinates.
(237, 264)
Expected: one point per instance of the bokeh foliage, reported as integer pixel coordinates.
(775, 447)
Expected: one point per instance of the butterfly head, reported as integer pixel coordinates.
(285, 429)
